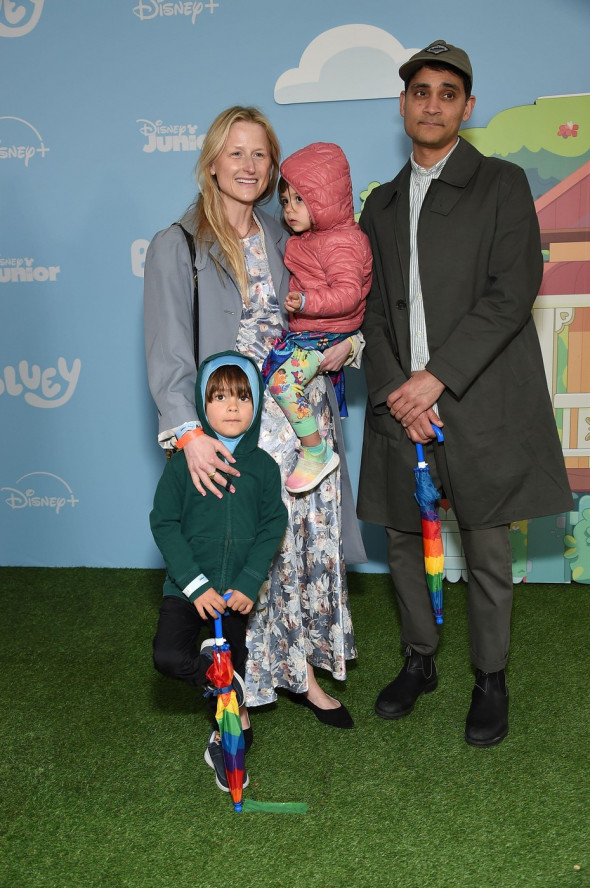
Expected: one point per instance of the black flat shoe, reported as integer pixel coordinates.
(336, 718)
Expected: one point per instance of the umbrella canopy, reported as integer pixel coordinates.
(220, 674)
(427, 497)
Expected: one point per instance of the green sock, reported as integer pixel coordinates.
(319, 453)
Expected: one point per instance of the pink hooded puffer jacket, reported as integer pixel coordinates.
(332, 263)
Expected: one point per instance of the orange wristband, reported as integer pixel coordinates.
(188, 436)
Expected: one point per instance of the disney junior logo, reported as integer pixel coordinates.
(20, 270)
(19, 140)
(19, 17)
(169, 137)
(50, 492)
(150, 9)
(56, 386)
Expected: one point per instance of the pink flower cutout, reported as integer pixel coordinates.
(568, 129)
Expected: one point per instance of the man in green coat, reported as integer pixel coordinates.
(451, 342)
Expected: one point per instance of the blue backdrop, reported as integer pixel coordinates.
(102, 113)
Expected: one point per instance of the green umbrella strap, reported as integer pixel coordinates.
(252, 806)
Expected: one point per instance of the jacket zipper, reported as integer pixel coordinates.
(222, 588)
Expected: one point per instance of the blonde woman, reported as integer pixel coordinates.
(302, 617)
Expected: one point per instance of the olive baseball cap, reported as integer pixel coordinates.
(438, 51)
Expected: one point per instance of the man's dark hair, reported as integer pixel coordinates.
(440, 66)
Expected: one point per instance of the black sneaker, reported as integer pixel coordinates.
(214, 758)
(207, 649)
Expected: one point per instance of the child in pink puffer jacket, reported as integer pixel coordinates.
(330, 261)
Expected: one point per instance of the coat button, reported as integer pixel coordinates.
(400, 304)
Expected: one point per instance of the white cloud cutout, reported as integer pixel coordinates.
(344, 63)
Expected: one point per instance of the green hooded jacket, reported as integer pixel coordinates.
(226, 543)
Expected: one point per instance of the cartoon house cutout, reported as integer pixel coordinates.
(562, 315)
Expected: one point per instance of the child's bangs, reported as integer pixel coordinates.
(230, 380)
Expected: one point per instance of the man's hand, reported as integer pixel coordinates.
(210, 604)
(239, 602)
(203, 461)
(414, 397)
(420, 431)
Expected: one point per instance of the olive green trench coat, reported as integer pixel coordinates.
(480, 270)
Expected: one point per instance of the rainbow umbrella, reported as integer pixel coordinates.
(427, 497)
(220, 674)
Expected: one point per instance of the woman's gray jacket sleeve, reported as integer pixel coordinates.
(168, 320)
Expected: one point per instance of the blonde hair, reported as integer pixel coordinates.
(206, 217)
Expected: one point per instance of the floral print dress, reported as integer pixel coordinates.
(302, 613)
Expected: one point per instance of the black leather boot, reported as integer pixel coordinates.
(417, 676)
(487, 719)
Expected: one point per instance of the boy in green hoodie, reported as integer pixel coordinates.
(212, 546)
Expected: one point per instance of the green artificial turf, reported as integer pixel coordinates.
(103, 781)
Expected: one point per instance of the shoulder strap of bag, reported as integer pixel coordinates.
(192, 250)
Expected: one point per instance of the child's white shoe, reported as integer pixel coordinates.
(310, 472)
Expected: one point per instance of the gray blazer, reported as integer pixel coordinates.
(168, 318)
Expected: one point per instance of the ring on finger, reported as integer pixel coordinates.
(212, 474)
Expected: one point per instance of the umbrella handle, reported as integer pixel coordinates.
(420, 450)
(218, 630)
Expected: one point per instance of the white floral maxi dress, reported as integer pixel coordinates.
(302, 613)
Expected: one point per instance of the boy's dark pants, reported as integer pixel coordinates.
(176, 653)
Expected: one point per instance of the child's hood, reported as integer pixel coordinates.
(320, 174)
(249, 439)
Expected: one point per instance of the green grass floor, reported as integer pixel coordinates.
(103, 781)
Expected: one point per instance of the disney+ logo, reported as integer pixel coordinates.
(150, 9)
(20, 140)
(54, 494)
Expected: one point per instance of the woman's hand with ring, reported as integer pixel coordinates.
(205, 458)
(335, 357)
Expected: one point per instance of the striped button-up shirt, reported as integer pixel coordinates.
(420, 180)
